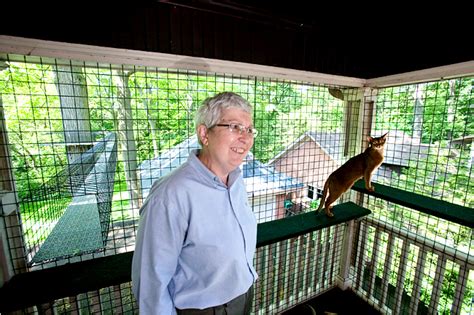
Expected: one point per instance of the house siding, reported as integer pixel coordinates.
(307, 162)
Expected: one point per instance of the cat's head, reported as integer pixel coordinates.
(377, 142)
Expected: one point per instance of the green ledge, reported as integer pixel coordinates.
(278, 230)
(439, 208)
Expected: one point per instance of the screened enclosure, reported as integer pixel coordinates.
(85, 139)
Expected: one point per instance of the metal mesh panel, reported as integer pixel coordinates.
(401, 260)
(295, 270)
(110, 300)
(55, 109)
(409, 262)
(291, 272)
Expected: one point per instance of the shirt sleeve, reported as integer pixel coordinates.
(158, 244)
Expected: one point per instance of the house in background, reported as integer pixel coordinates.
(267, 189)
(315, 155)
(400, 150)
(465, 142)
(310, 159)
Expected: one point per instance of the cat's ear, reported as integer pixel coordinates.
(370, 139)
(385, 135)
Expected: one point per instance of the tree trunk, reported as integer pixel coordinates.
(451, 108)
(154, 135)
(72, 89)
(418, 113)
(152, 123)
(126, 138)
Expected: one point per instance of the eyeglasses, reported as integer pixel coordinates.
(240, 129)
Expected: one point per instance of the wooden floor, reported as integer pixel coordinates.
(334, 301)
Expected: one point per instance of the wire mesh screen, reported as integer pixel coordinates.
(59, 114)
(110, 300)
(431, 130)
(295, 270)
(409, 262)
(291, 272)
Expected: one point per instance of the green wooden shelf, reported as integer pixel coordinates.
(439, 208)
(278, 230)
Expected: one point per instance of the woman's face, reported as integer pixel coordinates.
(224, 150)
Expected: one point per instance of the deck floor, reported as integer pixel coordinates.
(335, 301)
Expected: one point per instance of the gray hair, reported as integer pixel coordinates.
(210, 112)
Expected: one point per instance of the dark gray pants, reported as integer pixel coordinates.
(241, 305)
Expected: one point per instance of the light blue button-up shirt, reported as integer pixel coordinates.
(196, 241)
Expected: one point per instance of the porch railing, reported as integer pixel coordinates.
(298, 258)
(402, 272)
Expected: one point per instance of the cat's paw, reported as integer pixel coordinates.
(371, 188)
(329, 214)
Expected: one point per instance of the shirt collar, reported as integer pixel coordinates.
(209, 176)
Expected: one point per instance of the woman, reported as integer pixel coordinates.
(197, 234)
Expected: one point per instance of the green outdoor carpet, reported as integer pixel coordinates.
(77, 232)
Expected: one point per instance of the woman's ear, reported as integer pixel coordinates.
(202, 132)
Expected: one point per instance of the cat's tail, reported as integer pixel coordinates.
(325, 193)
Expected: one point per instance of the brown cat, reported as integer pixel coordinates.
(361, 165)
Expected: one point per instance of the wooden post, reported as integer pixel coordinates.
(344, 280)
(353, 116)
(368, 115)
(367, 125)
(11, 236)
(358, 124)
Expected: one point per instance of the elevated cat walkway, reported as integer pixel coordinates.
(83, 227)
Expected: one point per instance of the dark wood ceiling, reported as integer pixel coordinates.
(342, 39)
